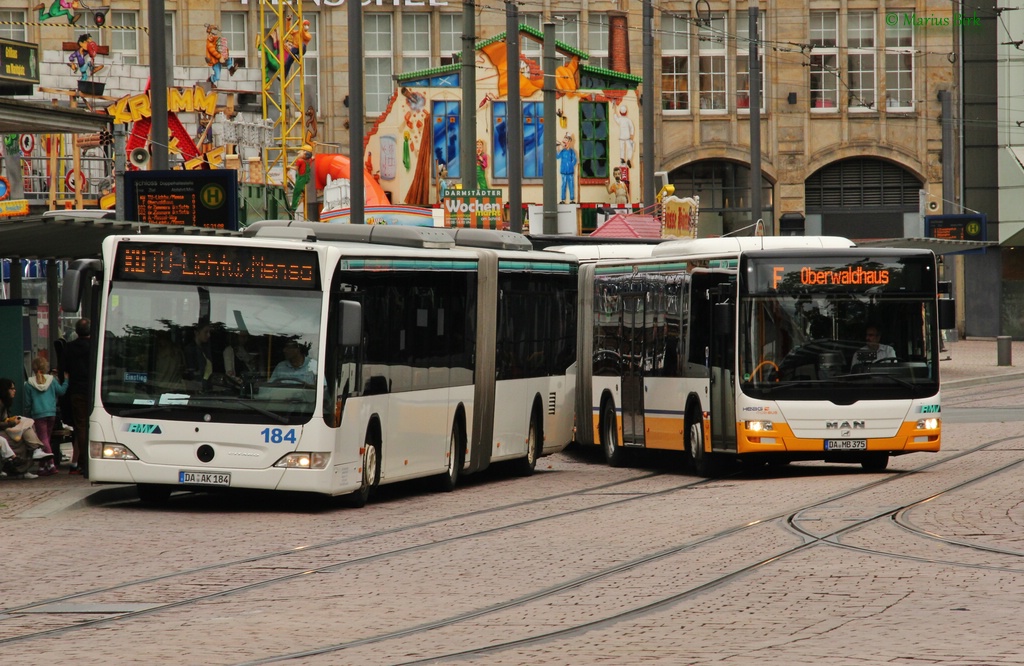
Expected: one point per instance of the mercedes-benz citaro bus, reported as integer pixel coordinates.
(357, 355)
(759, 350)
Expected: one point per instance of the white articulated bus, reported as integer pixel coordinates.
(356, 356)
(757, 349)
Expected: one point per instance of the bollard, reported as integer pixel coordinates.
(1003, 350)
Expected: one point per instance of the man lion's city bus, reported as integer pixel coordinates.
(757, 350)
(366, 355)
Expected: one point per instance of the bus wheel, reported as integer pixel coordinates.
(450, 478)
(371, 476)
(152, 493)
(703, 462)
(525, 466)
(875, 462)
(614, 454)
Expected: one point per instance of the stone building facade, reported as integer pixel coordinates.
(850, 122)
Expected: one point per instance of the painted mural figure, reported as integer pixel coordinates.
(58, 8)
(217, 54)
(442, 180)
(481, 165)
(303, 167)
(617, 188)
(82, 60)
(626, 133)
(567, 168)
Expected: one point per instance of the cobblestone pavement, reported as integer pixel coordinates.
(878, 594)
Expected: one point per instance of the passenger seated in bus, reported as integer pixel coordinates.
(199, 357)
(873, 351)
(241, 359)
(296, 366)
(168, 363)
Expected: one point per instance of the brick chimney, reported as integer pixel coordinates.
(618, 41)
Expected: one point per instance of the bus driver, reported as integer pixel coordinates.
(296, 366)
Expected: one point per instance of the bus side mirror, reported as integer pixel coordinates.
(76, 277)
(947, 313)
(723, 318)
(350, 323)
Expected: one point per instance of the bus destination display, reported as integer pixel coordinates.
(183, 198)
(909, 273)
(217, 265)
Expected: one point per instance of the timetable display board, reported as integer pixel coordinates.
(201, 198)
(957, 227)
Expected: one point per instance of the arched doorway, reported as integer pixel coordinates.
(724, 190)
(863, 198)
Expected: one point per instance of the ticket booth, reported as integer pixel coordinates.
(19, 340)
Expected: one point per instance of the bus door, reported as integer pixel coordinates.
(718, 293)
(632, 359)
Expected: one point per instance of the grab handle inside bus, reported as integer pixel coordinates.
(350, 323)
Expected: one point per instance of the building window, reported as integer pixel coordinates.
(233, 28)
(593, 142)
(533, 139)
(824, 60)
(597, 40)
(528, 46)
(451, 38)
(860, 59)
(712, 78)
(567, 31)
(311, 61)
(125, 42)
(445, 118)
(169, 35)
(499, 147)
(12, 25)
(378, 67)
(675, 62)
(415, 42)
(899, 67)
(743, 61)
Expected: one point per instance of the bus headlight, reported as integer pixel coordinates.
(928, 424)
(758, 426)
(303, 460)
(110, 451)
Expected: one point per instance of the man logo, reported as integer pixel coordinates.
(835, 425)
(143, 428)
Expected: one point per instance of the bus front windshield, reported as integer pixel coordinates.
(839, 347)
(210, 353)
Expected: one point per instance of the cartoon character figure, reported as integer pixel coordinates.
(295, 42)
(618, 189)
(567, 168)
(83, 60)
(442, 180)
(303, 166)
(217, 54)
(58, 8)
(481, 165)
(626, 133)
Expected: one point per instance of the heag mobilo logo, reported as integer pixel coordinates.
(143, 428)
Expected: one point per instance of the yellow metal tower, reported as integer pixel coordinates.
(281, 45)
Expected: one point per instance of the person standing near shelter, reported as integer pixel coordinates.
(40, 397)
(78, 369)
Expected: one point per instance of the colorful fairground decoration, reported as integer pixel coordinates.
(137, 110)
(413, 149)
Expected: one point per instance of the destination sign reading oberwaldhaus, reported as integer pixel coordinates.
(909, 273)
